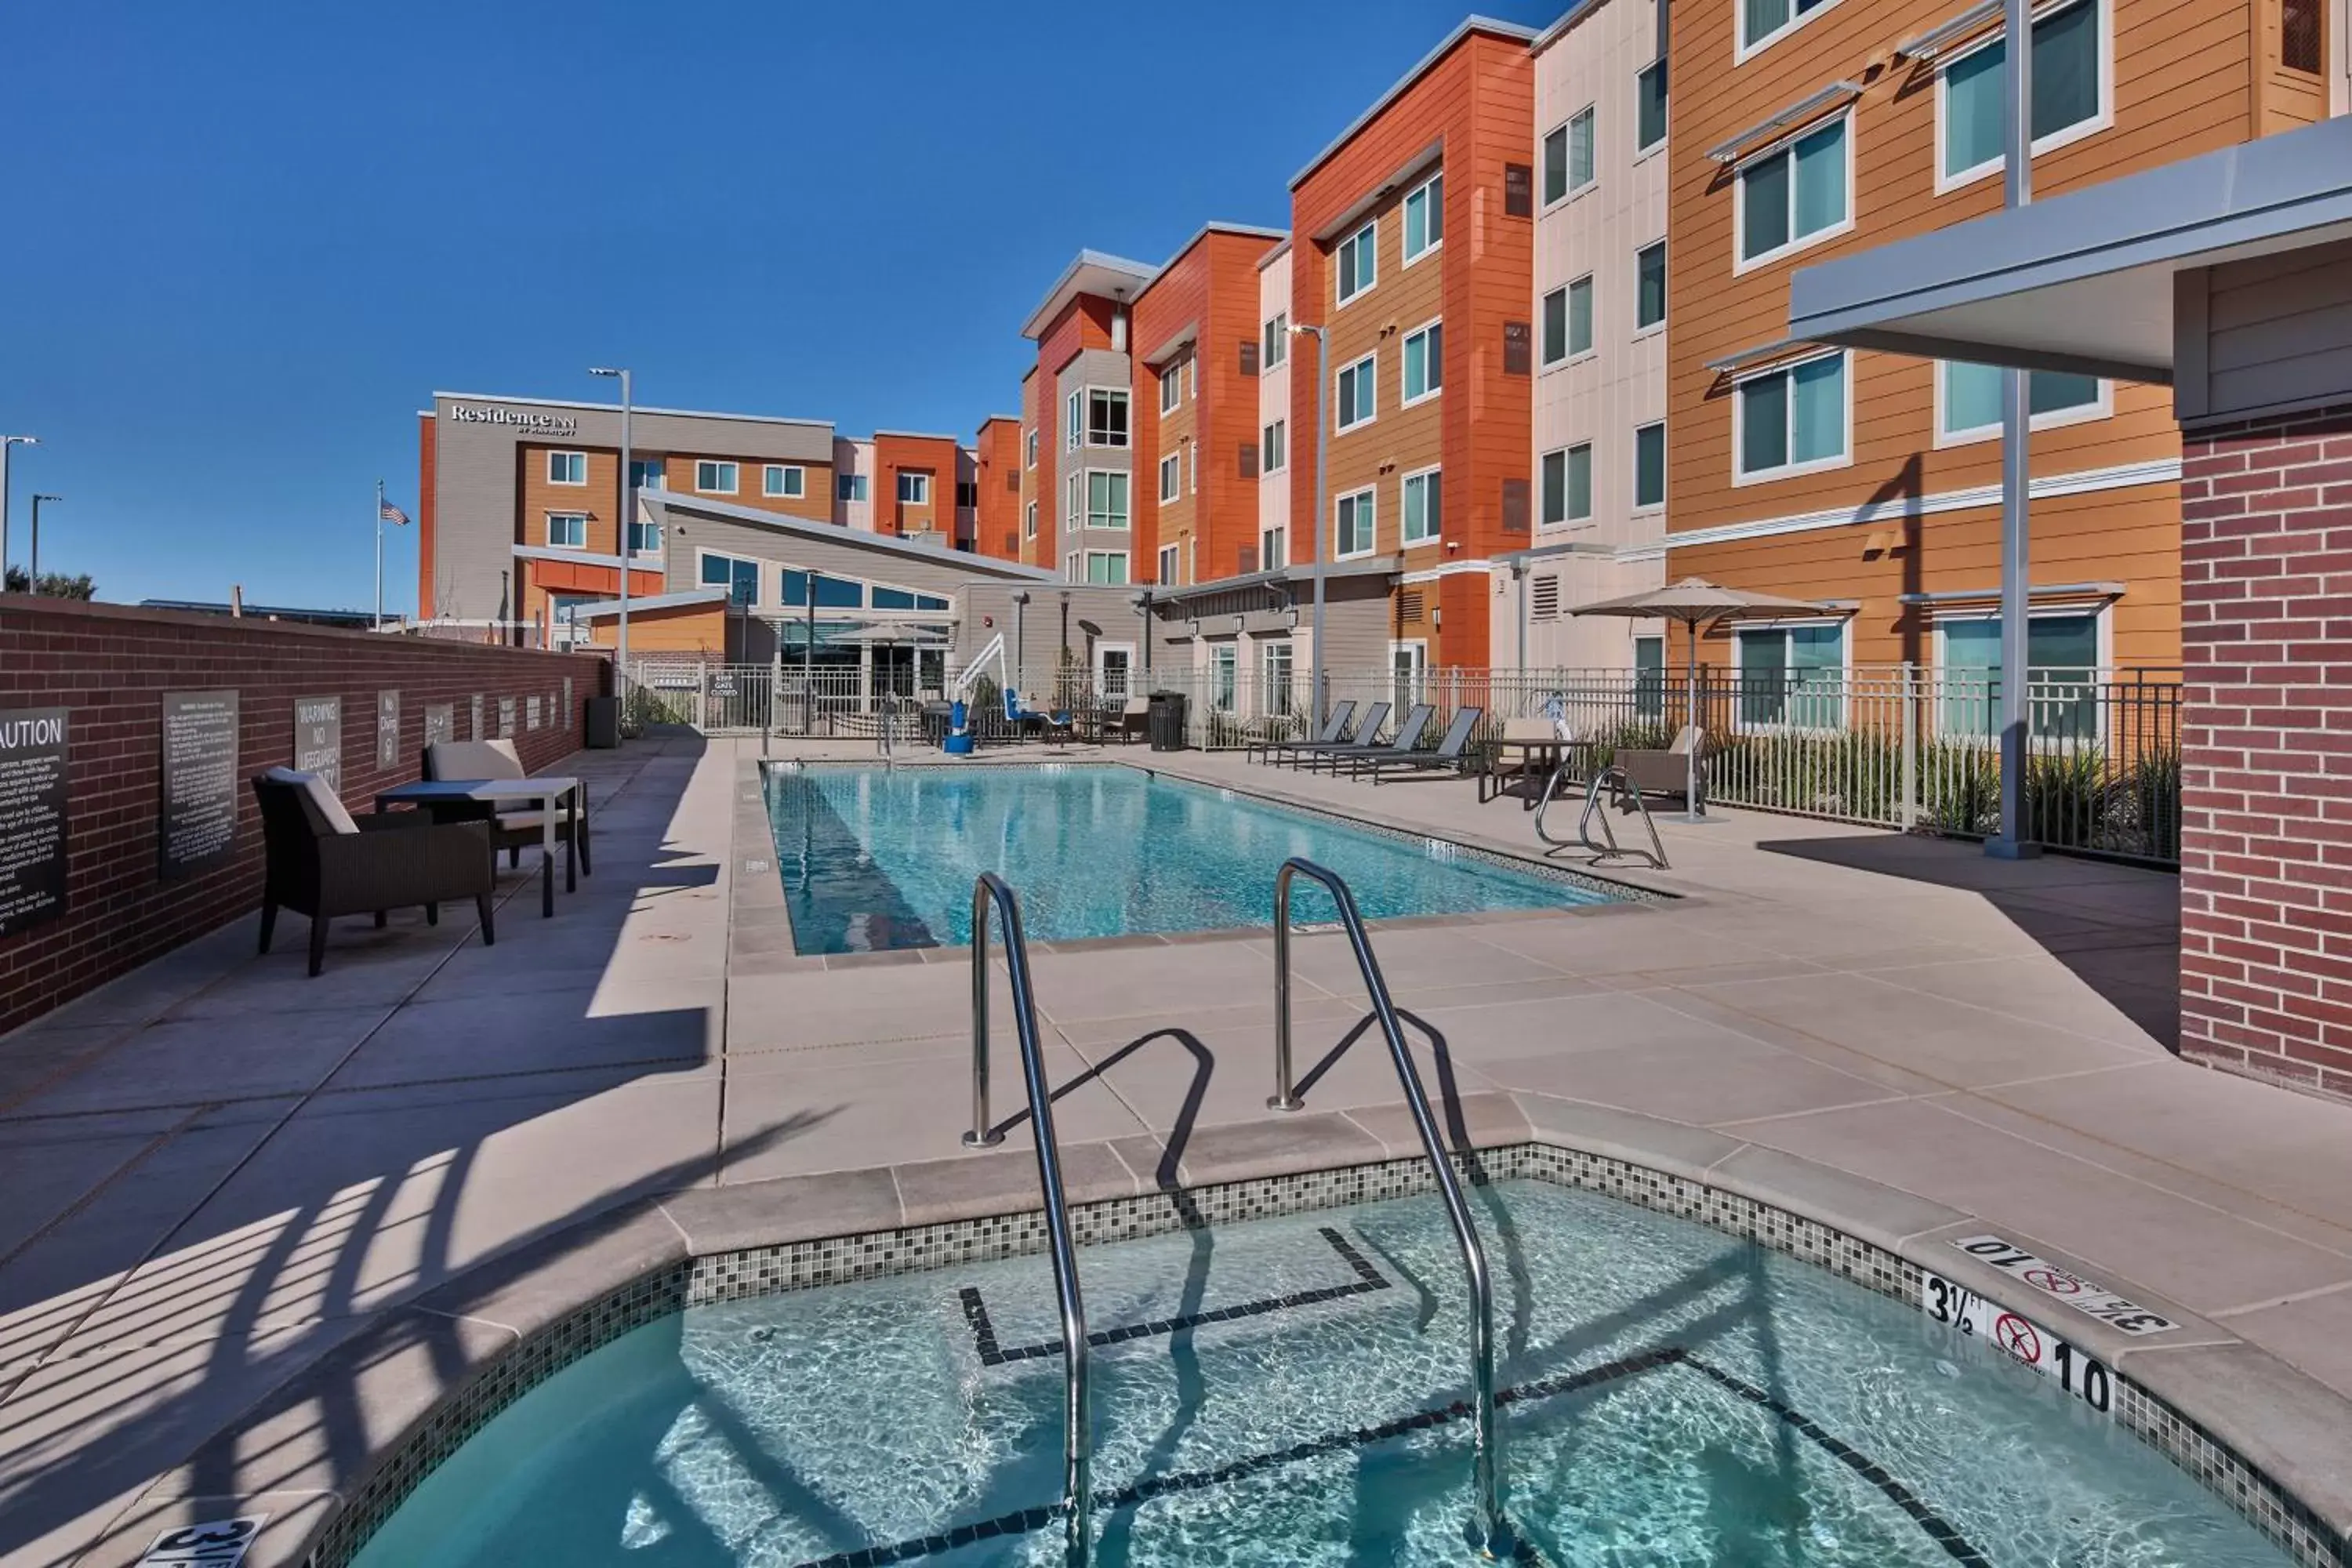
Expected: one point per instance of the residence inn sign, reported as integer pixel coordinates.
(529, 420)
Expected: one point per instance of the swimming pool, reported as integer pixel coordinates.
(1277, 1393)
(875, 858)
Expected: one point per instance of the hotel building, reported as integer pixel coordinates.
(1805, 130)
(1077, 424)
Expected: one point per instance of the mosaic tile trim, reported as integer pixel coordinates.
(1624, 893)
(807, 1265)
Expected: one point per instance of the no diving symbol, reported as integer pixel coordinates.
(2017, 1336)
(2050, 1280)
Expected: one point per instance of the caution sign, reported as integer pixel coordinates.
(2124, 1316)
(2018, 1337)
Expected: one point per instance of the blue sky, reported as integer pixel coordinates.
(242, 244)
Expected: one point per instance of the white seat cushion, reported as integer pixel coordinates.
(324, 801)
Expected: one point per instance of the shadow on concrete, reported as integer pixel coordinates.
(2115, 928)
(153, 1312)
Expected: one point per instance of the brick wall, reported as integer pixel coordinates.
(109, 666)
(2266, 832)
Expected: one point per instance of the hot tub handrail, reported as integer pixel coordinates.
(1494, 1530)
(1078, 1454)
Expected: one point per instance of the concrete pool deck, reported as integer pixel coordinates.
(221, 1175)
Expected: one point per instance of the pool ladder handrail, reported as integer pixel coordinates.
(1077, 1448)
(1623, 796)
(1495, 1532)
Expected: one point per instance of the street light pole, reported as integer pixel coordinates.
(2016, 467)
(33, 580)
(6, 442)
(1314, 523)
(628, 510)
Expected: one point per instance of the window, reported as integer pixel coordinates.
(1168, 566)
(1105, 418)
(1794, 193)
(1968, 401)
(1424, 219)
(2069, 93)
(1107, 567)
(567, 467)
(1424, 363)
(2062, 664)
(1192, 467)
(645, 539)
(782, 479)
(1029, 521)
(1792, 419)
(1169, 487)
(1225, 665)
(1274, 667)
(1074, 567)
(567, 530)
(914, 487)
(850, 487)
(1650, 286)
(1355, 395)
(1566, 477)
(1761, 21)
(1105, 501)
(1073, 499)
(1579, 317)
(1359, 268)
(645, 473)
(1352, 530)
(887, 598)
(832, 592)
(1792, 676)
(1029, 448)
(1273, 549)
(2299, 37)
(1423, 511)
(1071, 426)
(1114, 664)
(740, 578)
(1650, 106)
(1274, 447)
(1277, 338)
(1172, 388)
(1567, 157)
(1650, 677)
(967, 494)
(1650, 466)
(1555, 326)
(714, 479)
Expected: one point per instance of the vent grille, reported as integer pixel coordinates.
(1248, 560)
(1544, 602)
(1249, 356)
(1011, 541)
(1248, 460)
(1515, 506)
(1411, 607)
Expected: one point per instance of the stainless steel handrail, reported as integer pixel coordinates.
(1078, 1450)
(1494, 1530)
(1621, 788)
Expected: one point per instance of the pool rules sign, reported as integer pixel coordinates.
(32, 817)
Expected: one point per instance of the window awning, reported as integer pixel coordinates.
(1932, 43)
(1836, 94)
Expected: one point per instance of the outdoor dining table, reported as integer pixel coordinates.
(546, 793)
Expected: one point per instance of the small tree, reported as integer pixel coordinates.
(53, 586)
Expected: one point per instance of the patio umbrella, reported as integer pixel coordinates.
(1695, 601)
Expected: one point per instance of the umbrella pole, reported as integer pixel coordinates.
(1690, 758)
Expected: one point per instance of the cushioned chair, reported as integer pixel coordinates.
(1668, 773)
(512, 831)
(324, 862)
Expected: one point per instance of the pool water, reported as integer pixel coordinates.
(1681, 1399)
(874, 858)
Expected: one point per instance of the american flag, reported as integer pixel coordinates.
(388, 513)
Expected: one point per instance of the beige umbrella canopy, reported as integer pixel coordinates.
(1695, 602)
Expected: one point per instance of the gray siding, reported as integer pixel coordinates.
(691, 535)
(2264, 335)
(1033, 633)
(1112, 372)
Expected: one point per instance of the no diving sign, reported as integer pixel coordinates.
(2060, 1285)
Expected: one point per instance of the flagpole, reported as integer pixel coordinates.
(379, 555)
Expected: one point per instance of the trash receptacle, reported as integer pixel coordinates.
(604, 723)
(1166, 721)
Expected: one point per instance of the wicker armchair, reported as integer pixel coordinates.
(324, 862)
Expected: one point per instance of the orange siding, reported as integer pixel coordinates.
(998, 449)
(932, 455)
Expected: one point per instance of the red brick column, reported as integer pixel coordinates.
(2267, 749)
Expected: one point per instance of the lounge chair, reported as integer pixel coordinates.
(1448, 758)
(320, 861)
(1407, 736)
(1668, 773)
(1333, 729)
(512, 831)
(1366, 729)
